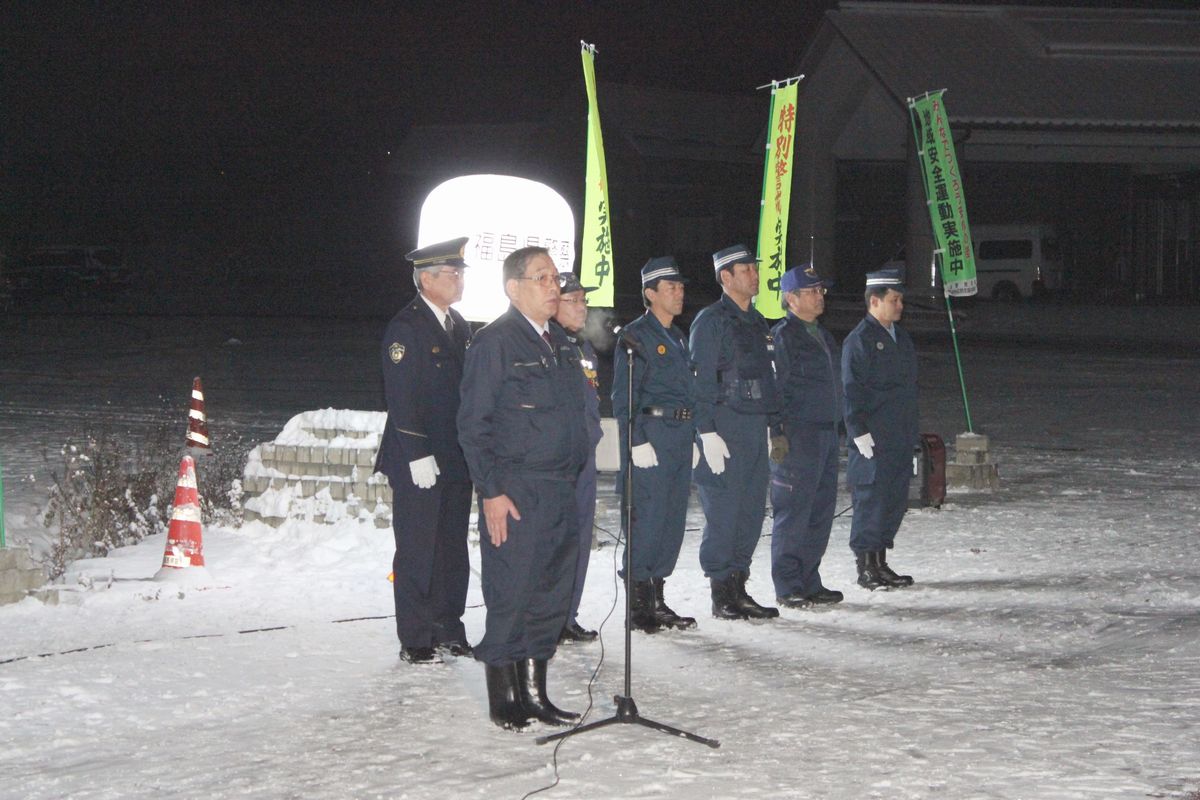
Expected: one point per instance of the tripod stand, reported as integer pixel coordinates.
(627, 711)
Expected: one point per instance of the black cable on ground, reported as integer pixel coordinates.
(617, 540)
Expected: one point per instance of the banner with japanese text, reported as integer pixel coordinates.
(596, 255)
(944, 195)
(776, 199)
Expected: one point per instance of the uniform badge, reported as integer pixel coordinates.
(662, 349)
(396, 352)
(436, 349)
(879, 345)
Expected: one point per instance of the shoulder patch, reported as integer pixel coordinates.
(396, 352)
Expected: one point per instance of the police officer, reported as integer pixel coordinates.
(879, 376)
(572, 316)
(431, 490)
(736, 399)
(808, 367)
(663, 440)
(525, 438)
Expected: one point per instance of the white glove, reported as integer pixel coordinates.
(643, 455)
(424, 472)
(715, 451)
(695, 455)
(865, 445)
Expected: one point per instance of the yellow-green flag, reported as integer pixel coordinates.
(777, 195)
(596, 261)
(944, 194)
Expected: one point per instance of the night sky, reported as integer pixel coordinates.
(253, 135)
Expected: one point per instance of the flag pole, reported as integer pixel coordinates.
(920, 152)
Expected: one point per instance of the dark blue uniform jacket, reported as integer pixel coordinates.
(422, 368)
(522, 408)
(662, 375)
(732, 351)
(808, 373)
(879, 377)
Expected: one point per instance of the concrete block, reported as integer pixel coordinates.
(971, 441)
(365, 457)
(335, 455)
(971, 457)
(972, 477)
(15, 558)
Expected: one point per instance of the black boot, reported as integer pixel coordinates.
(663, 613)
(746, 604)
(531, 677)
(887, 574)
(642, 615)
(723, 593)
(504, 697)
(868, 572)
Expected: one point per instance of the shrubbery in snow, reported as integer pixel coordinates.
(114, 490)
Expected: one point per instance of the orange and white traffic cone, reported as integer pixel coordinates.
(184, 552)
(197, 433)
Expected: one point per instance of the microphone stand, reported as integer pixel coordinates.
(627, 711)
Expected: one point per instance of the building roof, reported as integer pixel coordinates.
(674, 124)
(1034, 66)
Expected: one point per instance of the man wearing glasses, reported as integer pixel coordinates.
(523, 431)
(808, 367)
(423, 351)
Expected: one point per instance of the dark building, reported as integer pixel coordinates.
(1086, 119)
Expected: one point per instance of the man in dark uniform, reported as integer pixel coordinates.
(523, 431)
(736, 400)
(572, 316)
(663, 440)
(808, 369)
(879, 376)
(431, 490)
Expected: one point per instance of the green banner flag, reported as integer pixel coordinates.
(944, 194)
(776, 199)
(596, 261)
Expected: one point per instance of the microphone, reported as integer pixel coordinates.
(627, 340)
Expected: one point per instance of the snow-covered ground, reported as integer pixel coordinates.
(1050, 649)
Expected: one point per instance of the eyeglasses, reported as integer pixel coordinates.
(545, 280)
(821, 290)
(453, 272)
(579, 300)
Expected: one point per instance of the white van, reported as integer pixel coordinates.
(1016, 261)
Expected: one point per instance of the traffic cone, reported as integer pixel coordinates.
(197, 434)
(184, 552)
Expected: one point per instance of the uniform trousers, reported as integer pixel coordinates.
(529, 579)
(585, 508)
(431, 568)
(803, 499)
(879, 506)
(660, 500)
(735, 501)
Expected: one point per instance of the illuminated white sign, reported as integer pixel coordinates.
(499, 214)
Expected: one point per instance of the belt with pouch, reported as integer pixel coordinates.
(682, 414)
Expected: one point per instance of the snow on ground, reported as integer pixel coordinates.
(1050, 649)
